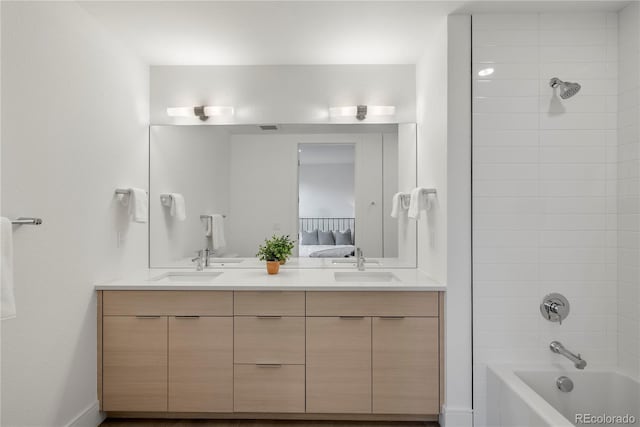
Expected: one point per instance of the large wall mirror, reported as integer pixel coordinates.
(330, 187)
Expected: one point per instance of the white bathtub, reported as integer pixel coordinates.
(520, 396)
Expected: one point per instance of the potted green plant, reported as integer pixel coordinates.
(287, 245)
(275, 251)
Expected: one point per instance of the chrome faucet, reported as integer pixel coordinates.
(200, 260)
(557, 347)
(360, 259)
(207, 255)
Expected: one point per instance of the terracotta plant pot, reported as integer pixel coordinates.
(273, 267)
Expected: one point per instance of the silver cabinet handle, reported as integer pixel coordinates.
(392, 317)
(269, 317)
(351, 317)
(187, 317)
(148, 317)
(269, 365)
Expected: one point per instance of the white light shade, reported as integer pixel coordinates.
(381, 110)
(372, 110)
(180, 112)
(218, 111)
(343, 111)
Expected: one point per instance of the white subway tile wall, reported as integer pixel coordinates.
(545, 181)
(629, 190)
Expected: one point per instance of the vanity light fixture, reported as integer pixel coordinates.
(203, 112)
(361, 111)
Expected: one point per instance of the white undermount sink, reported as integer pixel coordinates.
(187, 277)
(365, 276)
(353, 261)
(225, 260)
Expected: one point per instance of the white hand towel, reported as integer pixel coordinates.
(419, 202)
(7, 295)
(208, 224)
(217, 232)
(178, 209)
(138, 204)
(398, 203)
(395, 205)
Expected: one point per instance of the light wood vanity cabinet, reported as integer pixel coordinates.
(381, 355)
(339, 365)
(135, 363)
(166, 351)
(405, 365)
(269, 335)
(200, 364)
(334, 354)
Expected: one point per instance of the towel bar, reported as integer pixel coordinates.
(26, 221)
(208, 216)
(125, 191)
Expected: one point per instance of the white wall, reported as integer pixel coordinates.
(263, 190)
(444, 246)
(629, 190)
(431, 92)
(283, 93)
(327, 190)
(390, 177)
(74, 114)
(192, 161)
(407, 180)
(273, 184)
(369, 207)
(458, 362)
(544, 188)
(431, 89)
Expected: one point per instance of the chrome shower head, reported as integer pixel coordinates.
(567, 89)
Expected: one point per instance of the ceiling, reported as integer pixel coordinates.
(291, 32)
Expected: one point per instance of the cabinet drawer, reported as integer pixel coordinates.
(269, 388)
(416, 304)
(269, 340)
(168, 303)
(247, 303)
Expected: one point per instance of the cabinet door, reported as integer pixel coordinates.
(200, 364)
(134, 363)
(405, 365)
(339, 365)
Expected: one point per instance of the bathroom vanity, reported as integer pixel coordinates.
(319, 340)
(301, 345)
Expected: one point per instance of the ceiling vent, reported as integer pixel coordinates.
(269, 127)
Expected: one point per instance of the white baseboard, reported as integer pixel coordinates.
(90, 417)
(456, 417)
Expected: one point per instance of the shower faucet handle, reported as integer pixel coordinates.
(555, 308)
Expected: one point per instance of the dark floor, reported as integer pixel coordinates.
(113, 422)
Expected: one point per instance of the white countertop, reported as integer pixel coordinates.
(289, 279)
(295, 262)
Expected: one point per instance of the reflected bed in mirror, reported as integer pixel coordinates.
(329, 187)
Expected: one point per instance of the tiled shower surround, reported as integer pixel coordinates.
(545, 189)
(629, 191)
